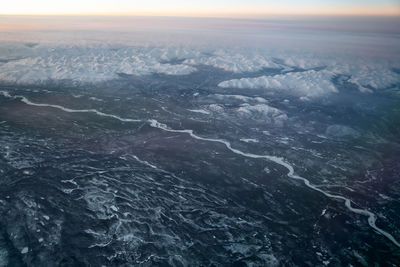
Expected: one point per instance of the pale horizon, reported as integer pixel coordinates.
(219, 8)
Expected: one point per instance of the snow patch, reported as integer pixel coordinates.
(249, 140)
(236, 62)
(341, 131)
(307, 84)
(262, 112)
(202, 111)
(240, 98)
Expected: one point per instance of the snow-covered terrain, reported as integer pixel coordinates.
(21, 64)
(199, 142)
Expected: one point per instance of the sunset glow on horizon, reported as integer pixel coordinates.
(207, 8)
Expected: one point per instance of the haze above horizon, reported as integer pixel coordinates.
(206, 8)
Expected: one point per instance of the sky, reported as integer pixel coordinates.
(203, 8)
